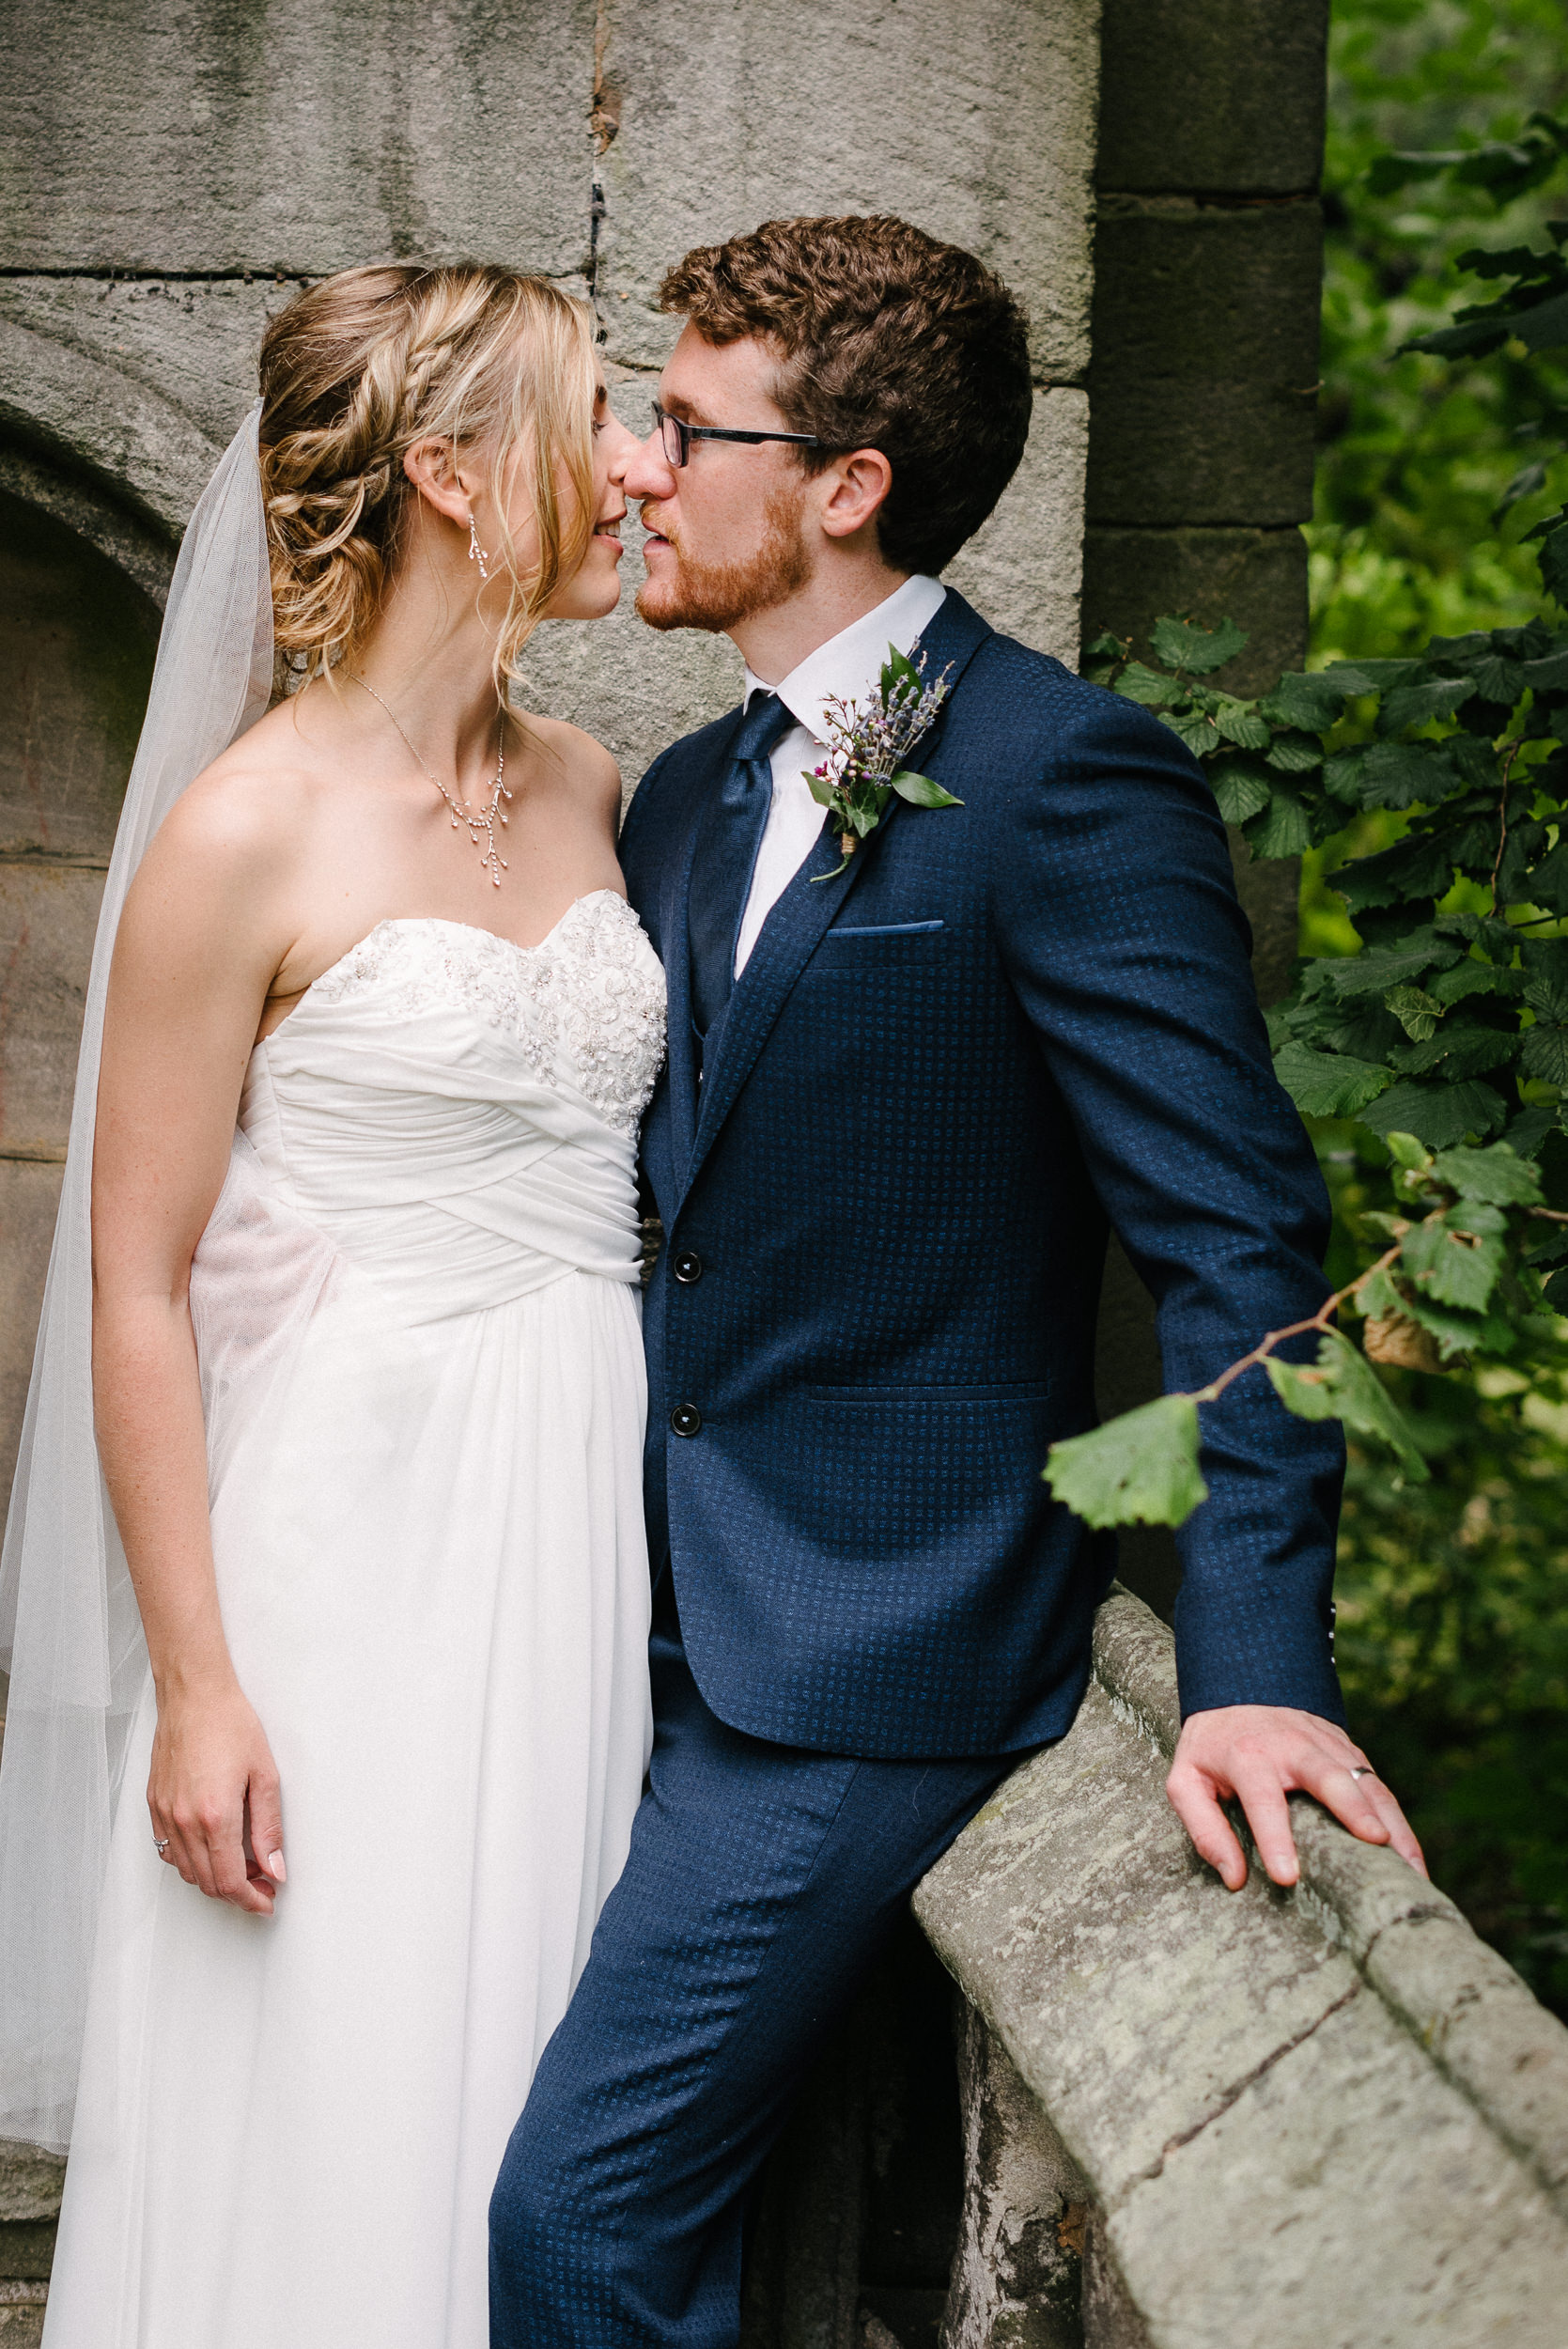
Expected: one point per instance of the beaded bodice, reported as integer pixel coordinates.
(591, 995)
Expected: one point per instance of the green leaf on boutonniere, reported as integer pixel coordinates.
(820, 788)
(922, 792)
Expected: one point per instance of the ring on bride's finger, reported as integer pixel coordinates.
(159, 1844)
(1365, 1770)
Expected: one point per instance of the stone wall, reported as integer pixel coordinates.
(256, 146)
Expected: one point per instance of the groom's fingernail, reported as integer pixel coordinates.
(275, 1864)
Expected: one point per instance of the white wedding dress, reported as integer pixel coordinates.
(417, 1316)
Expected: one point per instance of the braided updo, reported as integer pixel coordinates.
(362, 366)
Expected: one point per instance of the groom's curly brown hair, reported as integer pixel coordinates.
(889, 340)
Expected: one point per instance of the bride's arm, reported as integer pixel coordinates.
(195, 952)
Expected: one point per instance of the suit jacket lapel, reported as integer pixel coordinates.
(794, 928)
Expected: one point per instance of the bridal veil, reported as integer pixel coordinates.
(69, 1631)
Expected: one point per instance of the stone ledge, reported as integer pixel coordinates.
(1463, 2003)
(1344, 2066)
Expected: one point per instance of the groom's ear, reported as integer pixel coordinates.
(431, 466)
(851, 492)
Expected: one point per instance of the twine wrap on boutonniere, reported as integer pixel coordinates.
(865, 744)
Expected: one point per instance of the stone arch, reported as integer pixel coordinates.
(82, 579)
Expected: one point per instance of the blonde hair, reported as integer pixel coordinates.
(357, 369)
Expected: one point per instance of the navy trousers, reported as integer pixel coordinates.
(761, 1882)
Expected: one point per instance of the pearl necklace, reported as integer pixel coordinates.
(480, 828)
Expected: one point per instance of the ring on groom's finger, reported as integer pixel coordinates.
(159, 1844)
(1365, 1770)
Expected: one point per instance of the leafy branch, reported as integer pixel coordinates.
(1453, 1282)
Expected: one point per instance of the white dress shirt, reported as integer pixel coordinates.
(846, 668)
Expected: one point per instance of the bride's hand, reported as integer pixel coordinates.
(213, 1793)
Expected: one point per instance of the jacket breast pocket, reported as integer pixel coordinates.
(870, 946)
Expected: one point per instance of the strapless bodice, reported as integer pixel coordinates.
(456, 1114)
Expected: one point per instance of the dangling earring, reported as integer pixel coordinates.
(475, 551)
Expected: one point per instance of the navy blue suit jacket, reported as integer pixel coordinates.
(938, 1076)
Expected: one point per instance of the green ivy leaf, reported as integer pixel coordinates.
(820, 788)
(1296, 754)
(1147, 686)
(1451, 1269)
(1420, 866)
(1417, 1012)
(1406, 775)
(1376, 968)
(1140, 1469)
(1407, 1153)
(1553, 553)
(1474, 978)
(1240, 724)
(1438, 1115)
(1343, 1385)
(921, 792)
(1199, 732)
(1285, 830)
(1496, 1175)
(1548, 882)
(1199, 651)
(1419, 704)
(1545, 1053)
(1458, 1052)
(1240, 786)
(1328, 1084)
(1459, 1332)
(1311, 703)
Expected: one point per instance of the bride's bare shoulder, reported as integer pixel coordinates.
(575, 761)
(247, 818)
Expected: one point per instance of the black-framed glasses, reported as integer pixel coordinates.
(677, 437)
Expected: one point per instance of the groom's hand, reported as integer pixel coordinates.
(1259, 1753)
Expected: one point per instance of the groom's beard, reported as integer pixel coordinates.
(714, 596)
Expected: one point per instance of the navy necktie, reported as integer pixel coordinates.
(726, 854)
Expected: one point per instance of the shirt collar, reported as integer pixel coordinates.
(848, 665)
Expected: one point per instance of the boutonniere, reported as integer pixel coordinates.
(865, 744)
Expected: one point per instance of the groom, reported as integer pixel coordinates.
(903, 1102)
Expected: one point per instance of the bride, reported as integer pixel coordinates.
(376, 1037)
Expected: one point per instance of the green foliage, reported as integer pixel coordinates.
(1140, 1469)
(1418, 454)
(1343, 1385)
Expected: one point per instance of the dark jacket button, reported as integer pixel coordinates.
(688, 1267)
(686, 1419)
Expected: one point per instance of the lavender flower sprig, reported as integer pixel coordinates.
(865, 744)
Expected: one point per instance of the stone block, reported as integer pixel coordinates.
(26, 2250)
(77, 642)
(224, 138)
(1486, 2030)
(1017, 2271)
(29, 1196)
(31, 2184)
(1258, 577)
(21, 2306)
(1227, 99)
(1203, 380)
(1346, 2195)
(193, 346)
(977, 123)
(1137, 1994)
(48, 915)
(143, 552)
